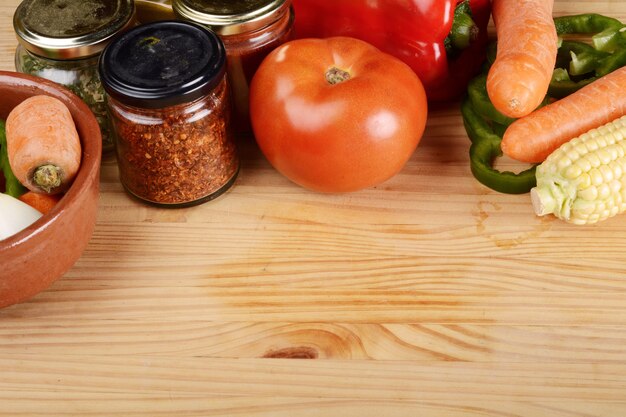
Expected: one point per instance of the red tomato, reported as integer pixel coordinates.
(353, 134)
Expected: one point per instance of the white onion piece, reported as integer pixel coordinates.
(15, 216)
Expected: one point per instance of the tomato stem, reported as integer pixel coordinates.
(335, 76)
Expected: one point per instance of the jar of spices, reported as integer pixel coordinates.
(169, 101)
(61, 40)
(250, 29)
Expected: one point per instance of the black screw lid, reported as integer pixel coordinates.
(162, 64)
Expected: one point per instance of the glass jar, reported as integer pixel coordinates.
(61, 40)
(169, 101)
(250, 29)
(154, 10)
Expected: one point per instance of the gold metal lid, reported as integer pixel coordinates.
(70, 29)
(230, 17)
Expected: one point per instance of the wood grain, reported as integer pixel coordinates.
(428, 295)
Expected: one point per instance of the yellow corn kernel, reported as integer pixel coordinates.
(604, 155)
(564, 163)
(616, 187)
(596, 176)
(606, 172)
(591, 144)
(623, 194)
(584, 181)
(612, 138)
(604, 191)
(616, 170)
(589, 193)
(593, 159)
(585, 165)
(572, 155)
(600, 142)
(573, 172)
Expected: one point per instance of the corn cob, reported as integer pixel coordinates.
(584, 181)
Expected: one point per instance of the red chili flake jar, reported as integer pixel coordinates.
(169, 101)
(250, 29)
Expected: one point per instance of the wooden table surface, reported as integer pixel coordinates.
(429, 295)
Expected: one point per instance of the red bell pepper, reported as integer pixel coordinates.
(419, 32)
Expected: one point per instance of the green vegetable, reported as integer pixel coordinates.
(12, 186)
(609, 39)
(464, 29)
(587, 23)
(586, 63)
(483, 152)
(578, 64)
(562, 85)
(580, 58)
(485, 126)
(477, 92)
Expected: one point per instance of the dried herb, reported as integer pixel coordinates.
(79, 76)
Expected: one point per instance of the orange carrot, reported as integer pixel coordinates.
(43, 203)
(527, 47)
(534, 137)
(43, 144)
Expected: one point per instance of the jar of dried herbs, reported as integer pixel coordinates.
(250, 29)
(61, 40)
(169, 101)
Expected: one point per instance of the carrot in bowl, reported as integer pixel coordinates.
(520, 76)
(43, 144)
(534, 137)
(43, 203)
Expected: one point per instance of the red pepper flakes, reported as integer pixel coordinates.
(177, 155)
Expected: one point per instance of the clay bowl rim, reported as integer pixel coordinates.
(90, 156)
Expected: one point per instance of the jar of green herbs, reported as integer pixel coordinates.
(61, 40)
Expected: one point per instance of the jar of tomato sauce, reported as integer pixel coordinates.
(250, 29)
(169, 101)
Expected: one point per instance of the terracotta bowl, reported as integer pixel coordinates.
(34, 258)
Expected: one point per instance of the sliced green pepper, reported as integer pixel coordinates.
(485, 149)
(586, 63)
(610, 39)
(477, 93)
(579, 57)
(485, 126)
(12, 186)
(584, 23)
(562, 85)
(612, 62)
